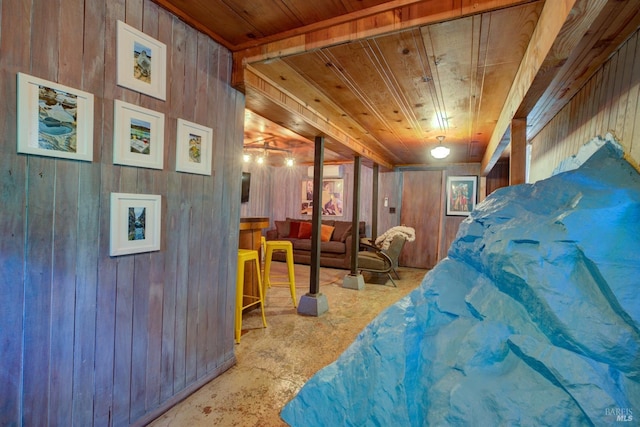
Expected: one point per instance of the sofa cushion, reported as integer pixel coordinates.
(326, 232)
(304, 232)
(283, 228)
(294, 229)
(333, 247)
(301, 244)
(342, 231)
(325, 247)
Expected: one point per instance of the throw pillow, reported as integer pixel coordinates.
(343, 229)
(294, 228)
(346, 233)
(283, 228)
(340, 227)
(305, 230)
(325, 232)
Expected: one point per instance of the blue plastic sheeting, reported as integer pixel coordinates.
(533, 319)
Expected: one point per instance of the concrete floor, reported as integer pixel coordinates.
(273, 363)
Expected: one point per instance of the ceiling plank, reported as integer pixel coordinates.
(599, 29)
(329, 33)
(178, 9)
(378, 10)
(294, 80)
(312, 122)
(552, 19)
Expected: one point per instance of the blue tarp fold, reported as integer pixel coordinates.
(532, 319)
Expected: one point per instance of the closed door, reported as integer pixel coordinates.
(421, 209)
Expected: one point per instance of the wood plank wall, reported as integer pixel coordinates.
(498, 177)
(609, 102)
(276, 193)
(89, 339)
(423, 208)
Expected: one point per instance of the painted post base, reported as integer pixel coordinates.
(353, 281)
(313, 305)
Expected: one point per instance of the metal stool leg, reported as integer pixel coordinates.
(244, 256)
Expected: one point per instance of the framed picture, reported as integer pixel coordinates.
(461, 194)
(138, 136)
(135, 223)
(331, 199)
(54, 120)
(193, 148)
(142, 62)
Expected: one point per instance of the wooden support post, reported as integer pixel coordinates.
(518, 161)
(355, 224)
(374, 202)
(314, 303)
(353, 280)
(316, 215)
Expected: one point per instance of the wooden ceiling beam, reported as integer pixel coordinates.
(555, 15)
(590, 33)
(386, 18)
(598, 29)
(310, 123)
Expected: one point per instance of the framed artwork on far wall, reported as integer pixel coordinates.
(135, 223)
(142, 62)
(331, 199)
(54, 120)
(138, 136)
(461, 194)
(193, 148)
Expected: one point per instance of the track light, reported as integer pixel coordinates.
(263, 150)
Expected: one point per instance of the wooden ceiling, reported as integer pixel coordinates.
(382, 79)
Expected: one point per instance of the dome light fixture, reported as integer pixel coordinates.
(440, 152)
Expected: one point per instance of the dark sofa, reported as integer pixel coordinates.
(335, 247)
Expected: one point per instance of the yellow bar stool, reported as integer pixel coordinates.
(247, 255)
(263, 251)
(287, 247)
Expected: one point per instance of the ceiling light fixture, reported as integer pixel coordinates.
(263, 149)
(440, 152)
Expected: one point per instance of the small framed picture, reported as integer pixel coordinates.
(461, 194)
(138, 136)
(54, 120)
(135, 223)
(142, 62)
(194, 148)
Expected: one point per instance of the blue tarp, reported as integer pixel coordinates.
(533, 318)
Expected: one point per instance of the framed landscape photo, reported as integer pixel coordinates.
(142, 62)
(54, 120)
(193, 148)
(461, 194)
(138, 136)
(135, 223)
